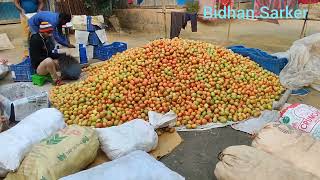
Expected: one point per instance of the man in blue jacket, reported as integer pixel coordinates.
(57, 20)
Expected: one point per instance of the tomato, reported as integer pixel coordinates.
(201, 82)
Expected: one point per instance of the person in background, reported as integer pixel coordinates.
(57, 20)
(25, 7)
(42, 59)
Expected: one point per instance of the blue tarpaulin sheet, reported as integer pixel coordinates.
(8, 11)
(264, 59)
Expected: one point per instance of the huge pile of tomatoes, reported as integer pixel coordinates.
(201, 82)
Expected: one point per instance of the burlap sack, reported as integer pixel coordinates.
(302, 117)
(66, 152)
(248, 163)
(291, 145)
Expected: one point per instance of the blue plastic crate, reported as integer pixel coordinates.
(93, 39)
(22, 72)
(119, 46)
(103, 52)
(265, 60)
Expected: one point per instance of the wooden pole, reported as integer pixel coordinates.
(164, 11)
(305, 30)
(69, 7)
(229, 27)
(304, 27)
(52, 6)
(229, 23)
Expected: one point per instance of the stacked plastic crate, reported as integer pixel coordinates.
(86, 37)
(96, 40)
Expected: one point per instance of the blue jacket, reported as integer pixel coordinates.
(53, 19)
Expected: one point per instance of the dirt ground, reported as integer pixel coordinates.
(196, 157)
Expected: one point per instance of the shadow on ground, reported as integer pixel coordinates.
(196, 157)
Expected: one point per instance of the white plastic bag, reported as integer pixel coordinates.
(137, 165)
(16, 142)
(102, 35)
(254, 125)
(304, 62)
(158, 120)
(277, 105)
(290, 145)
(29, 15)
(302, 117)
(81, 37)
(248, 163)
(22, 99)
(281, 54)
(134, 135)
(76, 53)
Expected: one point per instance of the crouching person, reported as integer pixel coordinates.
(42, 59)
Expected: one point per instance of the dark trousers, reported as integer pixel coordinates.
(180, 20)
(177, 22)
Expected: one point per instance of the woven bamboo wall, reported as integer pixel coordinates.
(74, 7)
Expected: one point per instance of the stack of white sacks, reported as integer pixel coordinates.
(41, 146)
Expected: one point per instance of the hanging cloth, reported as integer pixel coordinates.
(193, 18)
(177, 22)
(258, 4)
(180, 20)
(226, 3)
(308, 1)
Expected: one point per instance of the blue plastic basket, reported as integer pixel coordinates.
(103, 52)
(265, 60)
(119, 46)
(93, 39)
(22, 72)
